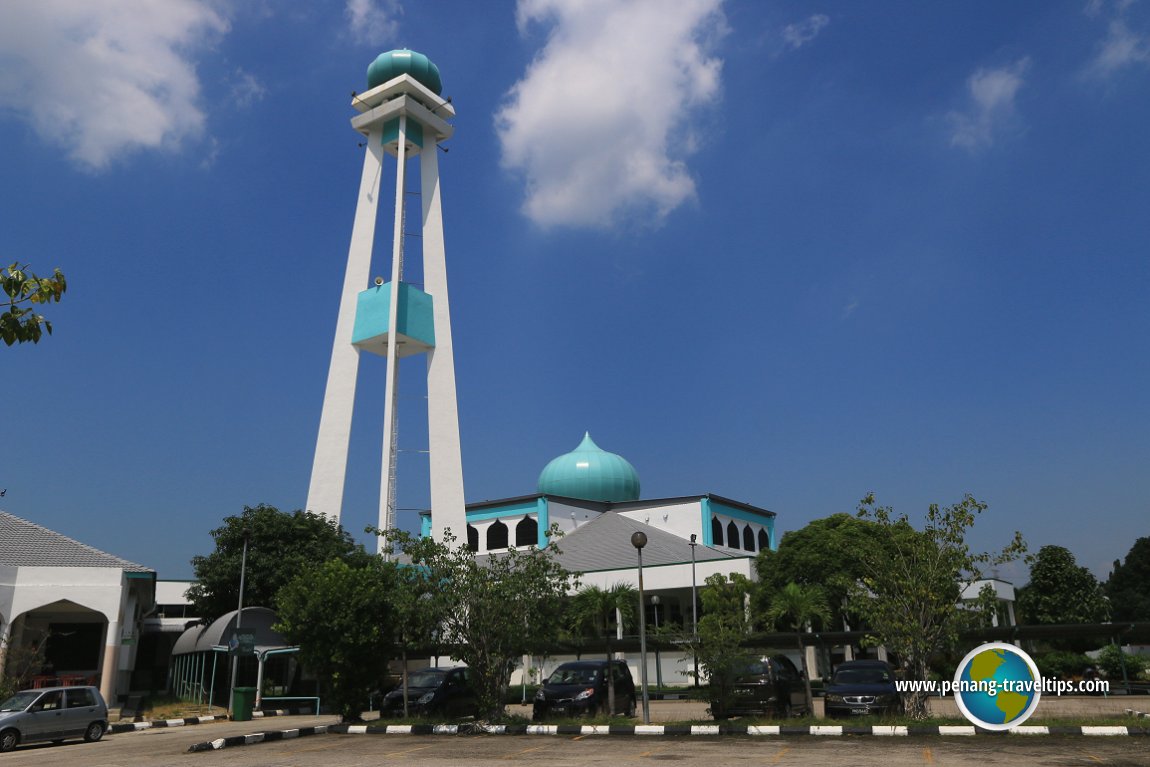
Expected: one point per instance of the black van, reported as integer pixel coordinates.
(768, 686)
(580, 687)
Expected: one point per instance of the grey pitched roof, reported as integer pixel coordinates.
(27, 544)
(604, 543)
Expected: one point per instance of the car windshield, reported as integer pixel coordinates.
(574, 675)
(756, 668)
(426, 678)
(861, 676)
(19, 701)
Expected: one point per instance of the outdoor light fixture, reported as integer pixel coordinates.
(639, 540)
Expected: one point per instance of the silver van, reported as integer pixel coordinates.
(52, 713)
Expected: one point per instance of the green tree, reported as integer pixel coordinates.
(1129, 584)
(723, 627)
(23, 290)
(20, 663)
(342, 620)
(796, 607)
(1060, 591)
(592, 611)
(826, 553)
(491, 610)
(910, 592)
(280, 546)
(416, 621)
(1119, 665)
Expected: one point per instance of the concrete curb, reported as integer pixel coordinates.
(120, 727)
(257, 737)
(1132, 712)
(660, 730)
(726, 729)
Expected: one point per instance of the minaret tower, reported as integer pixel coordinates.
(402, 115)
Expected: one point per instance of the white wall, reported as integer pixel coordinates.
(682, 519)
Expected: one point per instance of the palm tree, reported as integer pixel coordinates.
(796, 606)
(591, 612)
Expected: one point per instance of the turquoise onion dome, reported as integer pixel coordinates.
(590, 473)
(390, 65)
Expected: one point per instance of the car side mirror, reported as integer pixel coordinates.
(545, 680)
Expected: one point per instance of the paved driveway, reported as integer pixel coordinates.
(168, 746)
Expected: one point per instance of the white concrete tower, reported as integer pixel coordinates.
(402, 115)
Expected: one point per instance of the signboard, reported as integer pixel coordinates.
(243, 643)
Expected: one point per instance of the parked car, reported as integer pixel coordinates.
(769, 686)
(434, 692)
(861, 687)
(580, 687)
(52, 713)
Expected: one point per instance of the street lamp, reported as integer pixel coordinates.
(694, 607)
(239, 622)
(639, 540)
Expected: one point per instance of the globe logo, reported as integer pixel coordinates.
(997, 686)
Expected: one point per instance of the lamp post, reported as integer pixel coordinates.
(639, 540)
(239, 622)
(694, 607)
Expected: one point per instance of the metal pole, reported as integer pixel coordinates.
(639, 540)
(694, 609)
(239, 623)
(655, 601)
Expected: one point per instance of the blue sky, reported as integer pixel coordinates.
(784, 252)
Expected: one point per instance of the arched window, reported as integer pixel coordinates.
(527, 532)
(764, 540)
(733, 535)
(716, 532)
(472, 538)
(748, 538)
(497, 536)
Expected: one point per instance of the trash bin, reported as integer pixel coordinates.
(243, 701)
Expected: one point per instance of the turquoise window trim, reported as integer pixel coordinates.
(425, 526)
(771, 533)
(739, 514)
(705, 505)
(515, 510)
(543, 517)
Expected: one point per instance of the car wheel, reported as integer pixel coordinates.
(631, 708)
(8, 740)
(94, 732)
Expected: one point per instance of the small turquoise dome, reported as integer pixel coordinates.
(590, 473)
(388, 66)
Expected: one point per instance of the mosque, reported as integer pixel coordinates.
(593, 497)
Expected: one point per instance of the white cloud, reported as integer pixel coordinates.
(103, 78)
(992, 95)
(246, 89)
(600, 124)
(798, 35)
(373, 21)
(1121, 48)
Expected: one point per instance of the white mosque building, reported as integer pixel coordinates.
(593, 497)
